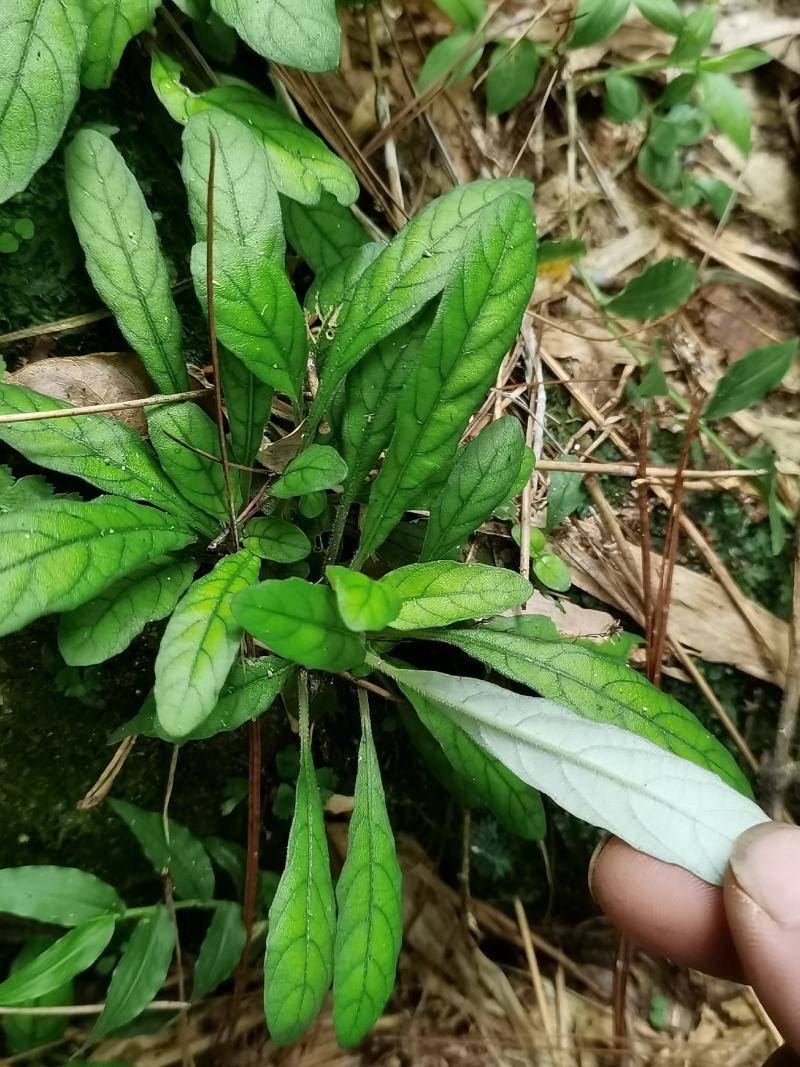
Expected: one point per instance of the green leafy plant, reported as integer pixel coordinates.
(203, 525)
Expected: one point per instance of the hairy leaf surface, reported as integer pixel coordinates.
(221, 949)
(141, 970)
(105, 626)
(598, 688)
(411, 271)
(103, 451)
(200, 644)
(247, 211)
(40, 60)
(322, 234)
(299, 621)
(483, 476)
(369, 927)
(451, 592)
(64, 896)
(111, 24)
(176, 430)
(65, 958)
(183, 856)
(300, 33)
(57, 558)
(659, 803)
(248, 404)
(123, 256)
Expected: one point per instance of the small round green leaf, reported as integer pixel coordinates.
(317, 467)
(552, 572)
(363, 604)
(276, 539)
(513, 67)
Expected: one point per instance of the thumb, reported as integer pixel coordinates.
(762, 905)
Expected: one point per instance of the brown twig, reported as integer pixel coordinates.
(370, 687)
(100, 790)
(100, 409)
(782, 768)
(644, 525)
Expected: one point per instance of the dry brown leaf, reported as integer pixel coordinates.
(101, 378)
(571, 620)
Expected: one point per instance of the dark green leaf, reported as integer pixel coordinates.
(123, 256)
(476, 322)
(323, 233)
(439, 593)
(653, 381)
(434, 758)
(749, 379)
(247, 211)
(299, 33)
(105, 626)
(140, 972)
(298, 965)
(513, 68)
(595, 20)
(276, 539)
(515, 805)
(26, 1032)
(555, 251)
(446, 58)
(737, 62)
(299, 621)
(55, 559)
(565, 494)
(312, 505)
(43, 41)
(466, 13)
(552, 572)
(622, 100)
(101, 450)
(111, 24)
(65, 958)
(717, 193)
(221, 949)
(256, 313)
(317, 467)
(330, 290)
(694, 36)
(600, 689)
(183, 856)
(662, 13)
(483, 476)
(727, 106)
(363, 604)
(369, 928)
(661, 287)
(248, 404)
(200, 644)
(64, 896)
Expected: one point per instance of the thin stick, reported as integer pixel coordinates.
(100, 409)
(369, 687)
(782, 768)
(536, 120)
(100, 790)
(644, 524)
(535, 973)
(170, 903)
(95, 1009)
(644, 473)
(212, 338)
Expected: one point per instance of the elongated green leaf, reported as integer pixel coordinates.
(175, 431)
(123, 256)
(317, 467)
(221, 949)
(101, 450)
(105, 626)
(323, 233)
(55, 559)
(434, 758)
(369, 927)
(200, 644)
(276, 539)
(446, 56)
(657, 802)
(737, 61)
(660, 288)
(247, 211)
(363, 604)
(299, 33)
(727, 107)
(513, 802)
(598, 688)
(447, 592)
(232, 859)
(302, 165)
(26, 1032)
(248, 404)
(140, 972)
(662, 13)
(565, 494)
(256, 313)
(466, 13)
(65, 958)
(372, 391)
(165, 77)
(477, 320)
(111, 24)
(622, 101)
(329, 292)
(65, 896)
(183, 856)
(299, 621)
(250, 690)
(513, 68)
(694, 36)
(483, 477)
(595, 20)
(40, 60)
(751, 378)
(410, 272)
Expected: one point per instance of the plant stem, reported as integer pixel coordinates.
(633, 68)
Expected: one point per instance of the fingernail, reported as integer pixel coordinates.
(766, 864)
(601, 844)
